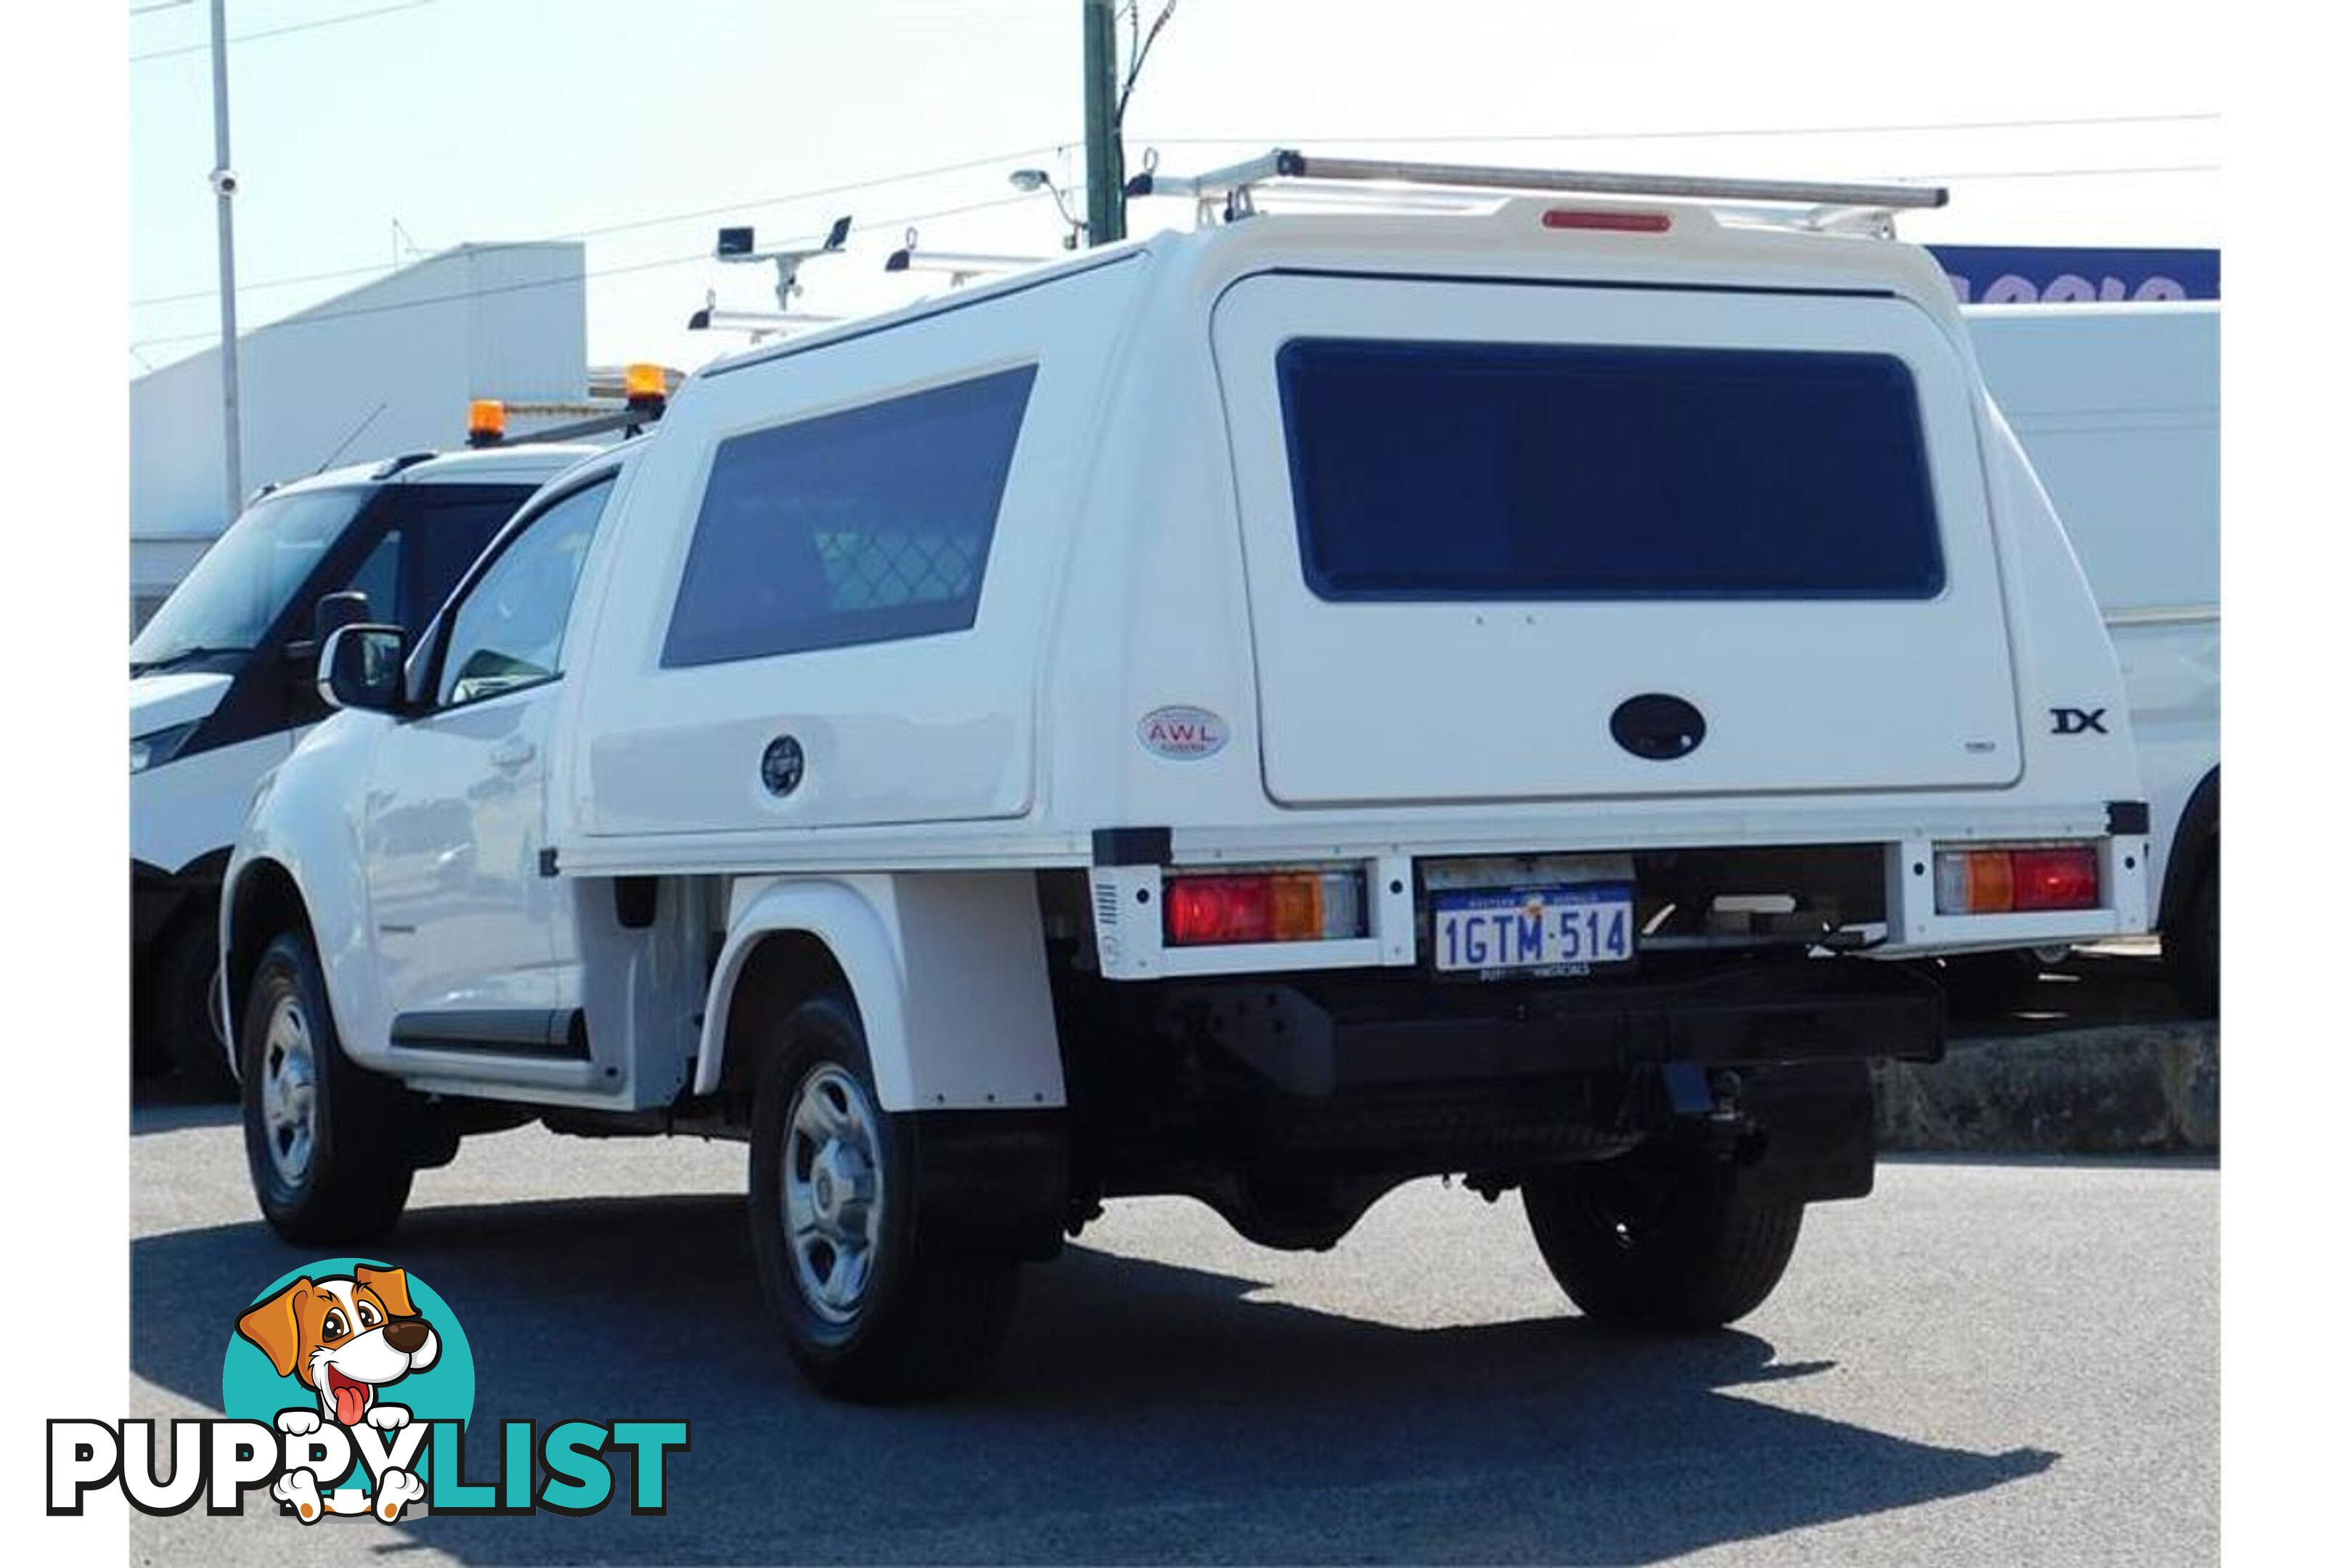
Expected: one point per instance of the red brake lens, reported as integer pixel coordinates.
(1215, 909)
(2066, 878)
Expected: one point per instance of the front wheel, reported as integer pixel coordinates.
(876, 1304)
(1644, 1243)
(324, 1138)
(181, 1016)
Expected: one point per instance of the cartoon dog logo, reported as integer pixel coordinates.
(346, 1337)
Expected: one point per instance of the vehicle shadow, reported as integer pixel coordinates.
(1141, 1412)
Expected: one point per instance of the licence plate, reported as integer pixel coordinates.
(1563, 929)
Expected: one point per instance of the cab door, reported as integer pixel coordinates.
(466, 921)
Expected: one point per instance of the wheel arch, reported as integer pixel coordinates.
(2196, 838)
(786, 941)
(262, 901)
(947, 972)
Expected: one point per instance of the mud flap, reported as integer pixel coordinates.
(1815, 1125)
(996, 1183)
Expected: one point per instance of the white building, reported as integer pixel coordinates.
(385, 368)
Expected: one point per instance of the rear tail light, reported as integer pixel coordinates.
(1264, 906)
(2005, 881)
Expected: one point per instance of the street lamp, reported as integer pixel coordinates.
(1039, 180)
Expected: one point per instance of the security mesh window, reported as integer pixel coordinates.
(1436, 470)
(863, 526)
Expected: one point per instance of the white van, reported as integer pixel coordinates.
(2119, 408)
(223, 682)
(1264, 714)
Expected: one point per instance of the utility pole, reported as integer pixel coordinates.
(1105, 160)
(223, 179)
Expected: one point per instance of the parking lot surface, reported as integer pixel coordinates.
(1987, 1361)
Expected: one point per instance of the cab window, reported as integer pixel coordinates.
(379, 578)
(507, 632)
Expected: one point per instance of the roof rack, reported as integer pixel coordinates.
(1841, 201)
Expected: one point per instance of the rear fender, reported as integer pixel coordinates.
(947, 970)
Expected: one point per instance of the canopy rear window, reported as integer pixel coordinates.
(1460, 470)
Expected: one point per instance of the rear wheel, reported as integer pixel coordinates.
(328, 1144)
(876, 1304)
(2192, 944)
(1649, 1244)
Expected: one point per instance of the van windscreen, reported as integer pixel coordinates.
(1460, 470)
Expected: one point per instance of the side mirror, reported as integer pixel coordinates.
(331, 615)
(361, 667)
(333, 612)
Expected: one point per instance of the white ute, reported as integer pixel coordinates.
(1265, 714)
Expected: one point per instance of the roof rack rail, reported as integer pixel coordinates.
(1234, 183)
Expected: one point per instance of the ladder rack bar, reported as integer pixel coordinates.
(1286, 163)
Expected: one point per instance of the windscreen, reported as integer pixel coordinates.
(1459, 470)
(233, 594)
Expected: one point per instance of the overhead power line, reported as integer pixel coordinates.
(625, 224)
(391, 306)
(1013, 200)
(280, 32)
(964, 166)
(2047, 123)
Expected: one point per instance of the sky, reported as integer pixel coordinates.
(365, 130)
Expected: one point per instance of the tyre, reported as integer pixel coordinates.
(875, 1307)
(1644, 1243)
(181, 1019)
(2192, 944)
(326, 1141)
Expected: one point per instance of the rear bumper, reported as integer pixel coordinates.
(1338, 1035)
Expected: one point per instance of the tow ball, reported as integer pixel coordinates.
(1705, 1106)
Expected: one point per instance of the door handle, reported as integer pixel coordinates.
(512, 754)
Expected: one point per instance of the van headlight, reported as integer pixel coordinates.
(157, 747)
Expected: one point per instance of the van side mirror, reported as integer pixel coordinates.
(361, 667)
(333, 612)
(331, 615)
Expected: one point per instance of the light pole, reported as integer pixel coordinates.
(224, 180)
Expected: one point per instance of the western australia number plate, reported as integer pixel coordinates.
(1560, 930)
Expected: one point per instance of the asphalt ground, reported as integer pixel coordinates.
(1987, 1361)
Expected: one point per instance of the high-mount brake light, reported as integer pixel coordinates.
(2017, 880)
(486, 422)
(1609, 220)
(1226, 907)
